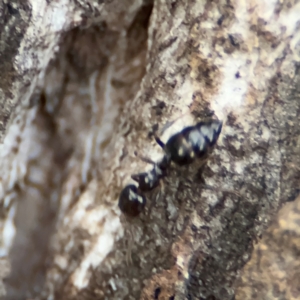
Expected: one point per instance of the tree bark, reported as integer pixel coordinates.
(84, 86)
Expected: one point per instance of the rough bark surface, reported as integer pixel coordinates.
(273, 271)
(85, 85)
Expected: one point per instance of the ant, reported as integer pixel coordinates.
(182, 148)
(131, 200)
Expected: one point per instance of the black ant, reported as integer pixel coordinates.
(131, 200)
(182, 148)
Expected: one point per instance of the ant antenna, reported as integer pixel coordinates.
(144, 158)
(170, 123)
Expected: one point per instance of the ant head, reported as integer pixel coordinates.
(131, 202)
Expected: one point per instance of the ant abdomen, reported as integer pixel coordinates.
(210, 130)
(192, 142)
(178, 149)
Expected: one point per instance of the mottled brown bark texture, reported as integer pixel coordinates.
(273, 270)
(85, 86)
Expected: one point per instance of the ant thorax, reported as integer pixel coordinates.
(147, 181)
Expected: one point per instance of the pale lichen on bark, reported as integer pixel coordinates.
(135, 67)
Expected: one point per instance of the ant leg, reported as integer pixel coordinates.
(159, 142)
(130, 242)
(170, 123)
(156, 198)
(145, 159)
(212, 188)
(162, 184)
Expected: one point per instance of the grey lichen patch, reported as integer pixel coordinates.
(14, 21)
(27, 44)
(27, 175)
